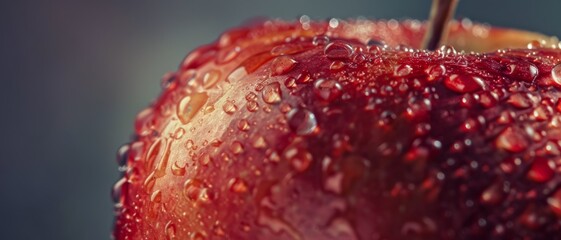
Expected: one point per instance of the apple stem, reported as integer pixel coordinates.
(437, 29)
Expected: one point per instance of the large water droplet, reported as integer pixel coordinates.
(463, 83)
(282, 65)
(302, 121)
(210, 78)
(320, 40)
(522, 70)
(435, 72)
(272, 93)
(338, 50)
(190, 105)
(512, 140)
(118, 192)
(327, 89)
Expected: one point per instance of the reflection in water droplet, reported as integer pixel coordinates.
(282, 65)
(272, 93)
(556, 74)
(170, 231)
(190, 105)
(210, 78)
(302, 121)
(541, 170)
(338, 50)
(512, 140)
(463, 83)
(402, 70)
(229, 107)
(435, 72)
(327, 89)
(320, 40)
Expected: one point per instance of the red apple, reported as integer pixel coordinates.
(348, 130)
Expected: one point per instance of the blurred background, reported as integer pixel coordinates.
(75, 73)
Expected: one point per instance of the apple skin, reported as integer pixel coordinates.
(344, 130)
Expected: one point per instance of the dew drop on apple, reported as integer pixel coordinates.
(522, 70)
(178, 168)
(302, 121)
(237, 185)
(237, 147)
(519, 100)
(320, 40)
(197, 236)
(170, 230)
(493, 194)
(541, 170)
(512, 140)
(192, 189)
(435, 72)
(556, 74)
(230, 107)
(447, 51)
(228, 55)
(463, 83)
(299, 158)
(327, 89)
(402, 70)
(243, 125)
(178, 133)
(281, 65)
(338, 50)
(554, 203)
(272, 93)
(168, 80)
(189, 106)
(122, 157)
(156, 196)
(252, 106)
(210, 78)
(258, 142)
(119, 191)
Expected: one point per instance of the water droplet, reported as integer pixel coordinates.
(402, 70)
(554, 202)
(277, 225)
(556, 74)
(327, 89)
(251, 96)
(236, 147)
(252, 106)
(341, 228)
(122, 157)
(522, 70)
(299, 158)
(463, 83)
(320, 40)
(169, 80)
(119, 191)
(243, 125)
(512, 140)
(258, 142)
(156, 196)
(237, 185)
(493, 194)
(302, 121)
(178, 169)
(336, 66)
(447, 51)
(189, 144)
(534, 44)
(170, 231)
(541, 170)
(190, 105)
(178, 133)
(210, 78)
(272, 93)
(488, 99)
(229, 107)
(333, 23)
(282, 65)
(519, 100)
(338, 50)
(197, 236)
(192, 189)
(290, 82)
(228, 55)
(435, 72)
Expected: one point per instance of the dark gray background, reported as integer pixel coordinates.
(75, 73)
